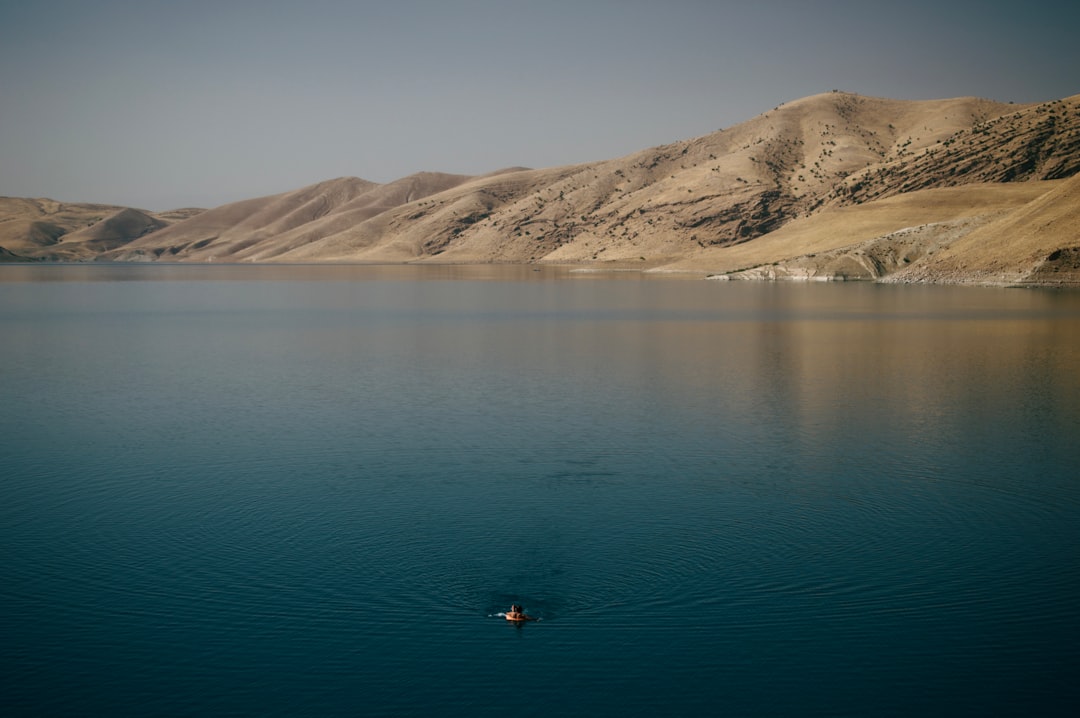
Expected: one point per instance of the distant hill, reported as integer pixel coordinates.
(44, 229)
(834, 186)
(267, 228)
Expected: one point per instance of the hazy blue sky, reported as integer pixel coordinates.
(160, 104)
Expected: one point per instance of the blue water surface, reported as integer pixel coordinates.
(305, 490)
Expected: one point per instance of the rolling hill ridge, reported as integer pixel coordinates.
(833, 186)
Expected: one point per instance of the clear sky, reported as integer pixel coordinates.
(165, 103)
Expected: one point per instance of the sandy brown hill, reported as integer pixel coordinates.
(355, 219)
(1038, 243)
(660, 204)
(29, 225)
(730, 187)
(865, 241)
(425, 229)
(1037, 142)
(829, 185)
(116, 230)
(261, 229)
(44, 229)
(244, 223)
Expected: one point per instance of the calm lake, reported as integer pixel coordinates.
(312, 491)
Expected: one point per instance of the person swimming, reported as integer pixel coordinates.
(517, 613)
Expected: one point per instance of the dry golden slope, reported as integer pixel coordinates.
(857, 241)
(821, 174)
(1039, 243)
(666, 203)
(268, 228)
(747, 189)
(46, 229)
(725, 188)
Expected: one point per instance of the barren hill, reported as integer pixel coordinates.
(1038, 243)
(723, 189)
(114, 231)
(866, 241)
(831, 186)
(36, 229)
(267, 227)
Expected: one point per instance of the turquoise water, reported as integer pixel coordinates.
(304, 490)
